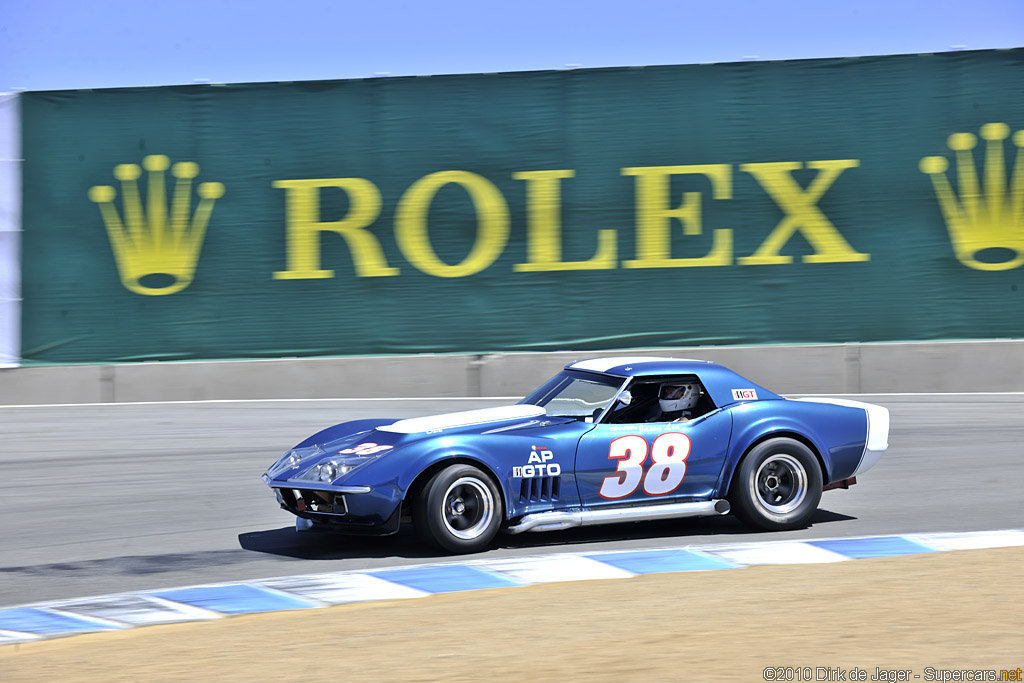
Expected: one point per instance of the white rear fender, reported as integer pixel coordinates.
(877, 438)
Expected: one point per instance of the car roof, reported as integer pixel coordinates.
(723, 384)
(636, 366)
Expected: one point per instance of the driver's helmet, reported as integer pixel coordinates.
(675, 397)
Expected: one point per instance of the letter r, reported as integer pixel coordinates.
(302, 218)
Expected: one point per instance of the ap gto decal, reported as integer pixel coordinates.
(538, 465)
(744, 394)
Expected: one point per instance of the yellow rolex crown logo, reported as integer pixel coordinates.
(156, 251)
(986, 222)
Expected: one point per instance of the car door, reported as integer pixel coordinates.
(625, 464)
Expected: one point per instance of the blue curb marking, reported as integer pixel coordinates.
(880, 546)
(65, 618)
(445, 579)
(236, 599)
(34, 620)
(660, 561)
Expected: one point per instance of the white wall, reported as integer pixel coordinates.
(926, 367)
(10, 230)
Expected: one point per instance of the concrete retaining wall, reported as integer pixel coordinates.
(831, 369)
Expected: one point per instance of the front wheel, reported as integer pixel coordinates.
(777, 486)
(459, 509)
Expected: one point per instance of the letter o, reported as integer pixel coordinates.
(412, 235)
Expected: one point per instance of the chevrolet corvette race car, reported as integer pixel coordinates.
(606, 440)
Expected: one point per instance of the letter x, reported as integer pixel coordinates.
(801, 213)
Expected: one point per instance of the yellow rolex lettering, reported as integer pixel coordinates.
(412, 234)
(654, 216)
(544, 227)
(801, 213)
(302, 217)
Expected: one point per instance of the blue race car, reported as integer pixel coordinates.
(606, 440)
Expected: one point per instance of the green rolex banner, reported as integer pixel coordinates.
(832, 200)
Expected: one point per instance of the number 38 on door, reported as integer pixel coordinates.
(663, 476)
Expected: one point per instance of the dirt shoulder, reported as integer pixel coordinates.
(947, 611)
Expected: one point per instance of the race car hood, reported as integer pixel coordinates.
(345, 450)
(468, 418)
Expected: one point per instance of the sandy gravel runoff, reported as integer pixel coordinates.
(949, 611)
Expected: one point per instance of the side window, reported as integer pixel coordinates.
(642, 396)
(666, 399)
(705, 405)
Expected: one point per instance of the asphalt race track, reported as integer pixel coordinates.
(99, 499)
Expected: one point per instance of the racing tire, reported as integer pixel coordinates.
(777, 486)
(459, 510)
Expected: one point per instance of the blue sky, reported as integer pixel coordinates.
(51, 44)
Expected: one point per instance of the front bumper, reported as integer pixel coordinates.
(362, 510)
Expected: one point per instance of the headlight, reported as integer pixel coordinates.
(292, 459)
(326, 471)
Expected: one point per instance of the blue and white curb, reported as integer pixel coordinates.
(215, 601)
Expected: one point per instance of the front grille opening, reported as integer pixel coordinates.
(540, 489)
(314, 501)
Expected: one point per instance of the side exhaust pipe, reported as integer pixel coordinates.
(556, 520)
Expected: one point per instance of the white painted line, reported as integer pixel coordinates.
(191, 611)
(335, 589)
(11, 637)
(555, 568)
(137, 610)
(263, 400)
(786, 552)
(975, 540)
(99, 621)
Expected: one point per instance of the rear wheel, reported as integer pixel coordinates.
(777, 486)
(459, 509)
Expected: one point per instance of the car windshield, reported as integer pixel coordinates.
(575, 394)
